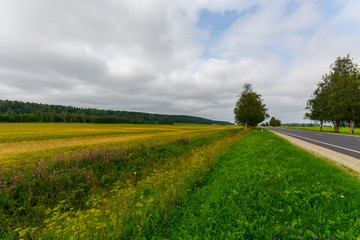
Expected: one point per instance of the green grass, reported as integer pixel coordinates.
(344, 130)
(265, 188)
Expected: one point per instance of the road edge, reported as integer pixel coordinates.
(350, 164)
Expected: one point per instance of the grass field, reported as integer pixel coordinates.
(344, 130)
(172, 182)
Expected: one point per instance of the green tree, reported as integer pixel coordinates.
(274, 122)
(337, 98)
(250, 110)
(317, 105)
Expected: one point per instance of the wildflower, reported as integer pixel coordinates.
(299, 237)
(341, 196)
(316, 236)
(289, 227)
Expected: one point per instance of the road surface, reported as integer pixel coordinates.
(345, 144)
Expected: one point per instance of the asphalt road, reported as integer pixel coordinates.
(345, 144)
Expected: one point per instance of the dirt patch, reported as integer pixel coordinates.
(348, 163)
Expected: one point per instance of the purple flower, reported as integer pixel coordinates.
(289, 227)
(316, 236)
(299, 237)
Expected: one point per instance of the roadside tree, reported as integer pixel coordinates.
(337, 97)
(250, 109)
(274, 122)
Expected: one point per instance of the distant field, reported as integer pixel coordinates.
(344, 130)
(28, 141)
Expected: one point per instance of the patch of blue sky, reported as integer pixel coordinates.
(217, 22)
(207, 55)
(307, 34)
(330, 8)
(291, 7)
(281, 52)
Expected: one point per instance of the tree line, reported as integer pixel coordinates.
(17, 111)
(337, 96)
(272, 123)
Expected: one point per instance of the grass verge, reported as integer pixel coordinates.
(265, 188)
(344, 130)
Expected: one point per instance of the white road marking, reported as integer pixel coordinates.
(348, 149)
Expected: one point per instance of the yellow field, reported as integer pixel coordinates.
(25, 142)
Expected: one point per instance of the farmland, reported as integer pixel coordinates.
(89, 181)
(30, 141)
(55, 172)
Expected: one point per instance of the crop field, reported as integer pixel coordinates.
(55, 177)
(30, 141)
(93, 181)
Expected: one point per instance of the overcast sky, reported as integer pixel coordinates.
(174, 57)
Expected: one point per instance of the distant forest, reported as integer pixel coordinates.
(17, 111)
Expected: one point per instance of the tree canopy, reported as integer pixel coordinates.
(250, 109)
(337, 97)
(274, 122)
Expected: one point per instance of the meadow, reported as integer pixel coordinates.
(171, 182)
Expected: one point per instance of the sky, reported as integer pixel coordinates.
(173, 57)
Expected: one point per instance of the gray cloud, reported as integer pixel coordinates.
(145, 56)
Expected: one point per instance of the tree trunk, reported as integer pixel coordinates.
(246, 125)
(336, 127)
(321, 125)
(352, 126)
